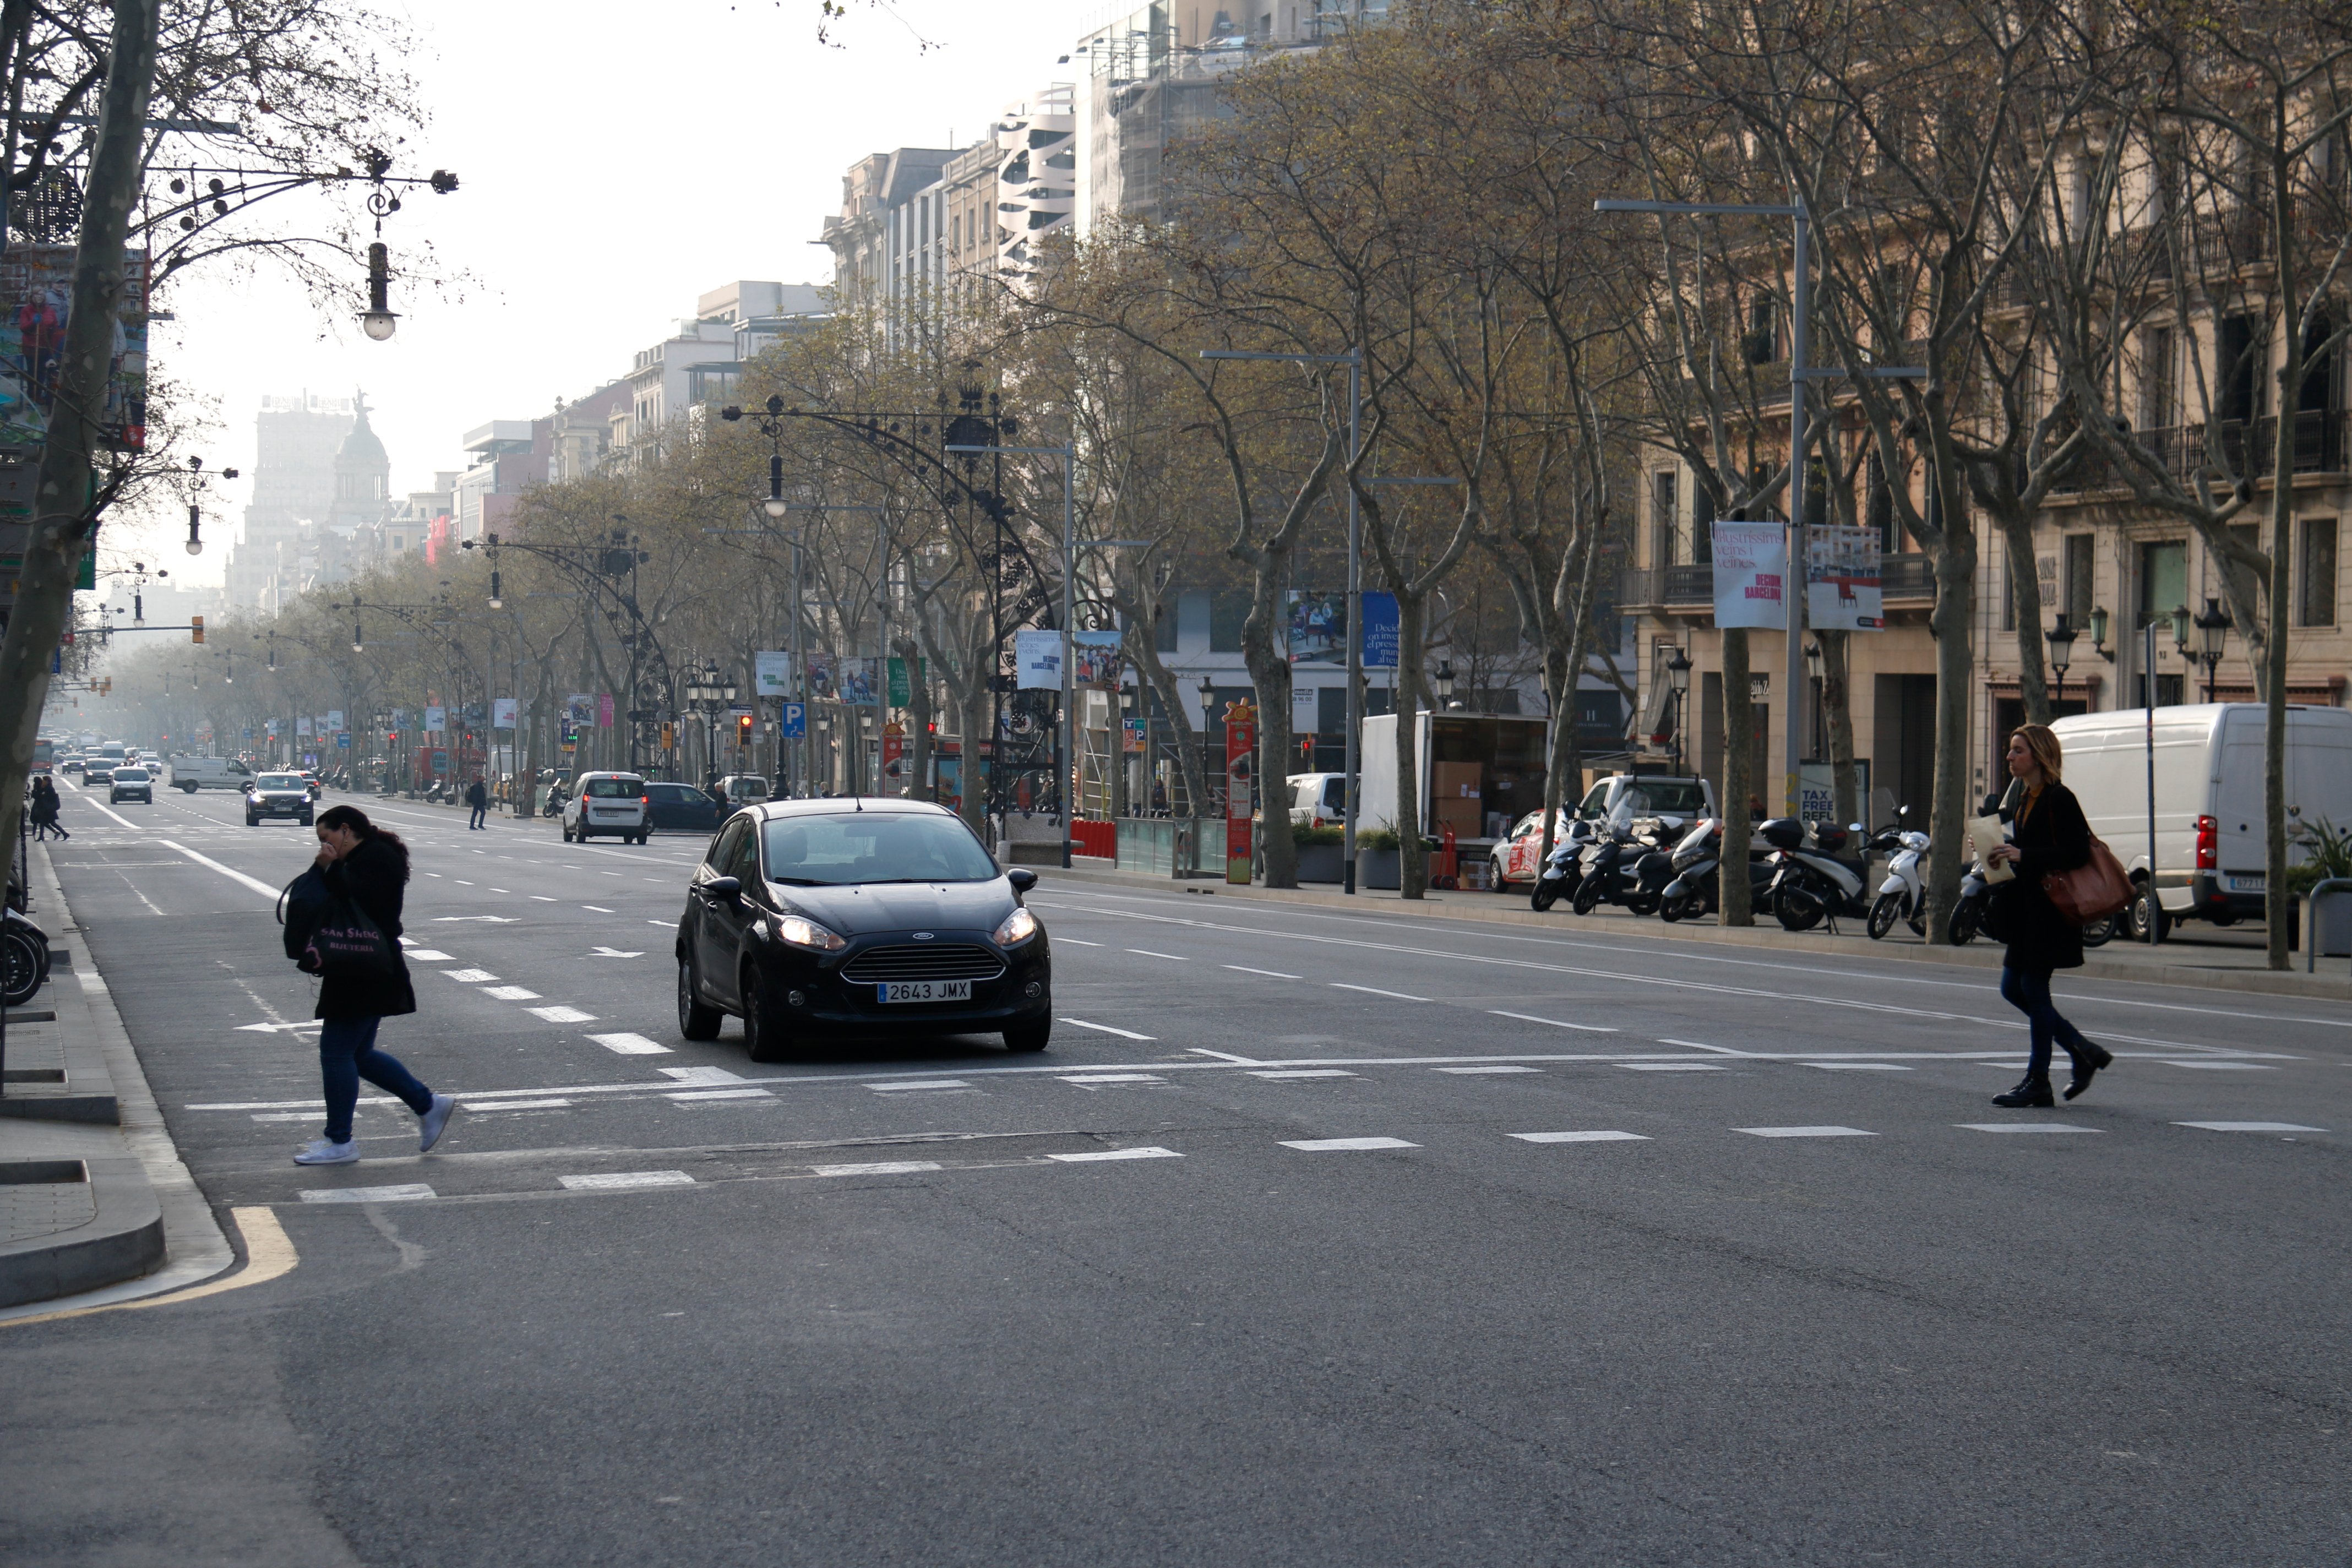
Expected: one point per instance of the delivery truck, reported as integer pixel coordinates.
(1479, 773)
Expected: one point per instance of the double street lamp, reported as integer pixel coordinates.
(707, 693)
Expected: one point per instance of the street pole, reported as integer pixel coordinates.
(1793, 582)
(1353, 760)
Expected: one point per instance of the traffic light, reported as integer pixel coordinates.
(670, 736)
(196, 629)
(742, 729)
(392, 737)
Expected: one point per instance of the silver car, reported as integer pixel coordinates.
(131, 784)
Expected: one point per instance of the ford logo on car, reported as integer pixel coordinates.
(922, 936)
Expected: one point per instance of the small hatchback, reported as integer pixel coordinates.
(612, 806)
(817, 921)
(131, 784)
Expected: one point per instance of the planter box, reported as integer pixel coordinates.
(1380, 868)
(1322, 863)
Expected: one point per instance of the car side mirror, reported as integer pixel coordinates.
(729, 889)
(1022, 877)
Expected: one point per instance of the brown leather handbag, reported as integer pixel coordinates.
(2090, 892)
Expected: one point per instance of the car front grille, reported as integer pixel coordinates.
(912, 961)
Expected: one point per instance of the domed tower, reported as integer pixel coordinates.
(363, 477)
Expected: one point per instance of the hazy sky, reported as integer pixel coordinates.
(617, 161)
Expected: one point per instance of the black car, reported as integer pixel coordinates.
(277, 794)
(824, 920)
(682, 807)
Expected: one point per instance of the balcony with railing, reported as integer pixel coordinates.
(2183, 452)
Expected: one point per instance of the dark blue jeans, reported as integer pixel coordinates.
(347, 1054)
(2028, 991)
(475, 820)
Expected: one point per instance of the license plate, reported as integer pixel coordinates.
(2250, 884)
(923, 991)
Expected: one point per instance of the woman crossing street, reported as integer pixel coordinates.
(2047, 833)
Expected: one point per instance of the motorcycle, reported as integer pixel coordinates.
(1611, 866)
(1903, 896)
(1813, 882)
(1562, 869)
(1695, 889)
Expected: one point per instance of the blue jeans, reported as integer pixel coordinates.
(476, 819)
(2028, 991)
(347, 1054)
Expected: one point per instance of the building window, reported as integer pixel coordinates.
(1879, 516)
(2315, 573)
(2163, 580)
(1228, 608)
(2080, 564)
(1665, 518)
(2158, 406)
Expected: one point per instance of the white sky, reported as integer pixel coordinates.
(617, 160)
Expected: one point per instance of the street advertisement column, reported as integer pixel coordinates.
(1241, 748)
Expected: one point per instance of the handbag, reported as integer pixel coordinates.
(342, 943)
(2090, 892)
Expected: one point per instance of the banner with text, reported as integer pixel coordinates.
(1037, 657)
(772, 673)
(1750, 575)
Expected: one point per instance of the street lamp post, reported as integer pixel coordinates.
(1443, 683)
(2060, 638)
(1678, 674)
(2212, 637)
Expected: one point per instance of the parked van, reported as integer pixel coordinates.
(2209, 862)
(190, 775)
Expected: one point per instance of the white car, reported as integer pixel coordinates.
(129, 783)
(1518, 859)
(744, 789)
(612, 806)
(190, 775)
(1318, 800)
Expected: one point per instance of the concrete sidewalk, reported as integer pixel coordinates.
(94, 1202)
(2230, 960)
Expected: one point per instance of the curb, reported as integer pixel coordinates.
(124, 1238)
(1494, 909)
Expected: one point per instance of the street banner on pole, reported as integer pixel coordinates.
(1751, 571)
(502, 713)
(1037, 655)
(772, 673)
(1380, 630)
(902, 694)
(1842, 580)
(1241, 747)
(334, 717)
(577, 707)
(437, 719)
(1096, 660)
(603, 711)
(1317, 628)
(301, 724)
(854, 682)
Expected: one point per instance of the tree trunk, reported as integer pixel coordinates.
(2025, 600)
(971, 769)
(918, 720)
(1738, 764)
(2277, 915)
(62, 522)
(1837, 713)
(1413, 854)
(1956, 565)
(1269, 668)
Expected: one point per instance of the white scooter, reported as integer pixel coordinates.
(1903, 896)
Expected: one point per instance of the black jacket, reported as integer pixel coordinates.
(2053, 837)
(370, 877)
(476, 795)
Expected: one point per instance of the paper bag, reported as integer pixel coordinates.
(1984, 832)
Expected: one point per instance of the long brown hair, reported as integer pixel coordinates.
(2048, 755)
(354, 818)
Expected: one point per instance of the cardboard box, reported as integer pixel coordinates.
(1466, 816)
(1455, 781)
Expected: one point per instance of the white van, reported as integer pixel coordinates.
(2209, 794)
(190, 775)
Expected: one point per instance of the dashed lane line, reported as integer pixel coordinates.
(1269, 974)
(1376, 991)
(1108, 1029)
(1555, 1023)
(630, 1045)
(1338, 1145)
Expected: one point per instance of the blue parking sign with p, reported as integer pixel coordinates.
(795, 720)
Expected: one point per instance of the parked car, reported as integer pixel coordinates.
(815, 922)
(129, 783)
(682, 808)
(190, 775)
(277, 794)
(614, 806)
(1518, 859)
(744, 789)
(1318, 800)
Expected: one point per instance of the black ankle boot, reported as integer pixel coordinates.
(2030, 1092)
(2096, 1059)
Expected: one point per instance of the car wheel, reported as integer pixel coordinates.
(2097, 934)
(1030, 1037)
(766, 1032)
(252, 822)
(695, 1021)
(305, 821)
(567, 832)
(2144, 911)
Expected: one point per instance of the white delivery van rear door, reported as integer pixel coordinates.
(2238, 800)
(2318, 767)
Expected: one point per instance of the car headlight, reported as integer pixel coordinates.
(1018, 927)
(801, 932)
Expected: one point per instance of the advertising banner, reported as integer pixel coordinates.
(772, 673)
(301, 724)
(1841, 581)
(819, 671)
(1096, 660)
(579, 708)
(1317, 626)
(36, 297)
(1241, 768)
(902, 694)
(1037, 655)
(334, 717)
(437, 719)
(1750, 571)
(854, 682)
(603, 711)
(502, 712)
(1380, 631)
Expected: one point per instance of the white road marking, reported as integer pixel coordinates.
(426, 955)
(2024, 1127)
(2221, 1067)
(1555, 1023)
(519, 994)
(1376, 991)
(901, 1086)
(1804, 1131)
(543, 898)
(1105, 1029)
(1223, 1057)
(1305, 1072)
(719, 1094)
(1696, 1046)
(1335, 1145)
(453, 919)
(1146, 953)
(493, 890)
(1670, 1067)
(516, 1104)
(469, 976)
(287, 1115)
(598, 908)
(1074, 941)
(1856, 1066)
(274, 1028)
(616, 952)
(2250, 1126)
(880, 1168)
(562, 1015)
(1594, 1137)
(1475, 1072)
(701, 1075)
(1269, 974)
(665, 924)
(402, 1194)
(631, 1044)
(1094, 1154)
(233, 874)
(461, 881)
(1118, 1077)
(620, 1181)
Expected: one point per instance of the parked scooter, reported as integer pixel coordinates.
(1903, 896)
(1813, 882)
(1695, 889)
(1610, 874)
(1563, 867)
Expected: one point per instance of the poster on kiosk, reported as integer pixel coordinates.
(1241, 748)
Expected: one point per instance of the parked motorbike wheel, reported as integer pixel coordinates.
(1961, 929)
(1680, 906)
(1797, 908)
(1546, 894)
(1884, 914)
(1642, 903)
(23, 968)
(1588, 896)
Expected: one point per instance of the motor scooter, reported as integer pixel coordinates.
(1697, 888)
(1812, 882)
(1903, 896)
(1611, 863)
(1563, 867)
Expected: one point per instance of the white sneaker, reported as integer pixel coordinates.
(429, 1125)
(319, 1152)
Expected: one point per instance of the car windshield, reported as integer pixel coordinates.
(613, 789)
(131, 776)
(1665, 798)
(874, 847)
(279, 781)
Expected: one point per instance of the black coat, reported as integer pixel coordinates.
(2053, 837)
(476, 795)
(372, 877)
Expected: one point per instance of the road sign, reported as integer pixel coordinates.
(794, 721)
(342, 739)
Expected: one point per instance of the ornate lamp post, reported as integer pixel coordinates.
(2212, 635)
(1443, 683)
(1678, 674)
(2060, 638)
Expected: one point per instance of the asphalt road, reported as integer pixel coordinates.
(1424, 1243)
